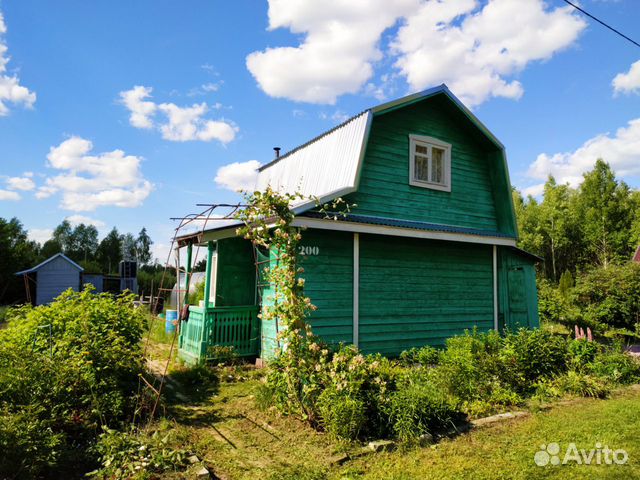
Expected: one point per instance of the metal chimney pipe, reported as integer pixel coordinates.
(277, 150)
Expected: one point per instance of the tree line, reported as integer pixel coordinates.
(80, 243)
(576, 229)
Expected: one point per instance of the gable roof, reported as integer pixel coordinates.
(50, 259)
(329, 165)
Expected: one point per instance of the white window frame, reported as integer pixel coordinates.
(429, 142)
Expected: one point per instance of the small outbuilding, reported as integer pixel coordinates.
(47, 280)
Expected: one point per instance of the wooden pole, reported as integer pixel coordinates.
(187, 274)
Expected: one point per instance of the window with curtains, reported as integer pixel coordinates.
(430, 163)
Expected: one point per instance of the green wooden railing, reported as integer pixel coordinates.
(236, 327)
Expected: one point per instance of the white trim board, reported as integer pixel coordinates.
(495, 288)
(356, 287)
(345, 226)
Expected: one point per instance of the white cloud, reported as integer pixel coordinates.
(45, 191)
(91, 181)
(205, 88)
(40, 235)
(186, 124)
(141, 110)
(160, 252)
(628, 82)
(181, 124)
(534, 190)
(477, 49)
(238, 175)
(20, 183)
(10, 89)
(78, 219)
(337, 117)
(338, 51)
(9, 195)
(621, 151)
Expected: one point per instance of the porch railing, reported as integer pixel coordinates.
(236, 327)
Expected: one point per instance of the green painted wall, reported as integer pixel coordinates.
(384, 188)
(327, 259)
(236, 280)
(415, 292)
(518, 294)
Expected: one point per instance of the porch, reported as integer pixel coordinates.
(228, 314)
(207, 327)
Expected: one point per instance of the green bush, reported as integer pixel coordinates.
(137, 455)
(28, 444)
(469, 366)
(529, 355)
(616, 366)
(307, 387)
(574, 383)
(342, 414)
(556, 305)
(611, 296)
(71, 366)
(425, 356)
(582, 353)
(417, 408)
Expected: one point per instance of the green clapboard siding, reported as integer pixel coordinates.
(416, 292)
(517, 291)
(384, 188)
(328, 274)
(236, 273)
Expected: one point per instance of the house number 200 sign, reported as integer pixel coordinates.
(308, 250)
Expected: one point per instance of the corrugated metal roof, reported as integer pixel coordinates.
(323, 166)
(394, 222)
(37, 267)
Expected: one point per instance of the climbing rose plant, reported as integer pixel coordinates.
(294, 375)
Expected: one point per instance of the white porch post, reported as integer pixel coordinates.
(356, 286)
(495, 287)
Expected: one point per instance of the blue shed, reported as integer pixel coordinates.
(52, 277)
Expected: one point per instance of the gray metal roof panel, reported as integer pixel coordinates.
(413, 224)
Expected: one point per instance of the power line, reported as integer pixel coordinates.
(602, 23)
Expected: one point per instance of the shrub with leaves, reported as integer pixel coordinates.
(137, 455)
(425, 356)
(613, 364)
(556, 305)
(611, 295)
(573, 382)
(342, 413)
(420, 407)
(72, 366)
(470, 366)
(529, 355)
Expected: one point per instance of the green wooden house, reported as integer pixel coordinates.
(429, 251)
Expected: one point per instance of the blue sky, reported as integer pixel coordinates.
(221, 83)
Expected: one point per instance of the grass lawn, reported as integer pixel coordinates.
(507, 450)
(239, 441)
(221, 423)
